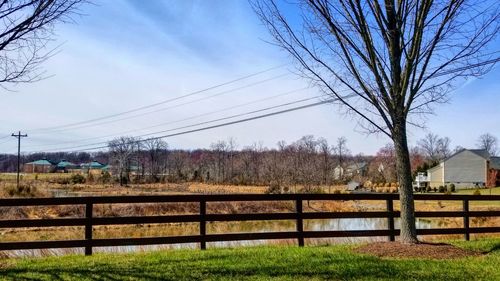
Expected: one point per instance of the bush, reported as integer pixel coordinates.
(442, 189)
(77, 179)
(61, 180)
(106, 177)
(311, 190)
(24, 190)
(273, 189)
(451, 188)
(476, 192)
(337, 191)
(428, 189)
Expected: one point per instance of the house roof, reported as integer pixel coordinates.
(93, 165)
(42, 162)
(357, 166)
(481, 152)
(64, 164)
(495, 162)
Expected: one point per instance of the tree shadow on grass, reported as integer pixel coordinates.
(493, 249)
(300, 265)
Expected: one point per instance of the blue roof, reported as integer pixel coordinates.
(64, 164)
(93, 165)
(41, 162)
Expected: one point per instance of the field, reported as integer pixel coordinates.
(49, 185)
(258, 263)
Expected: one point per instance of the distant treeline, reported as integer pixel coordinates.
(308, 161)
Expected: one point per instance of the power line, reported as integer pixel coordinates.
(229, 123)
(161, 102)
(166, 108)
(207, 122)
(178, 120)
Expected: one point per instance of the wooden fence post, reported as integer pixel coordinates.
(390, 219)
(300, 222)
(203, 224)
(466, 219)
(88, 228)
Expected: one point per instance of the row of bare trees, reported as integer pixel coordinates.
(306, 162)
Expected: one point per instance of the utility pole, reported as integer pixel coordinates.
(19, 136)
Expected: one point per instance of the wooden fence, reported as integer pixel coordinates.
(203, 217)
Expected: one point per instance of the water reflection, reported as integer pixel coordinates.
(253, 226)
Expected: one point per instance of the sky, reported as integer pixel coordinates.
(123, 55)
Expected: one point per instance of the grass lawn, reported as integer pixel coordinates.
(484, 191)
(257, 263)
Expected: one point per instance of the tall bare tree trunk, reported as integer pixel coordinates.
(408, 228)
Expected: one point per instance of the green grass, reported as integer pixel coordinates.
(484, 191)
(257, 263)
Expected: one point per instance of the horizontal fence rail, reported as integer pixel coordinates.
(202, 218)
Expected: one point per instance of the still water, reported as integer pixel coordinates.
(240, 227)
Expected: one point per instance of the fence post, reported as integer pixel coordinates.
(88, 228)
(203, 224)
(466, 219)
(390, 219)
(300, 222)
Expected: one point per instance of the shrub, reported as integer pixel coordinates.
(476, 192)
(428, 189)
(337, 191)
(106, 177)
(23, 190)
(273, 189)
(77, 179)
(90, 178)
(435, 189)
(442, 189)
(451, 188)
(312, 190)
(61, 180)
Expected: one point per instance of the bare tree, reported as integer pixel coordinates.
(489, 143)
(122, 151)
(26, 28)
(157, 154)
(326, 160)
(434, 147)
(341, 152)
(396, 58)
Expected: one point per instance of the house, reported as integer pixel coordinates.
(66, 167)
(93, 167)
(39, 166)
(466, 168)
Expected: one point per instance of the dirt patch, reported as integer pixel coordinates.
(421, 250)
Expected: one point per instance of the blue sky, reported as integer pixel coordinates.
(125, 54)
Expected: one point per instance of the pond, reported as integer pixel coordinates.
(231, 227)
